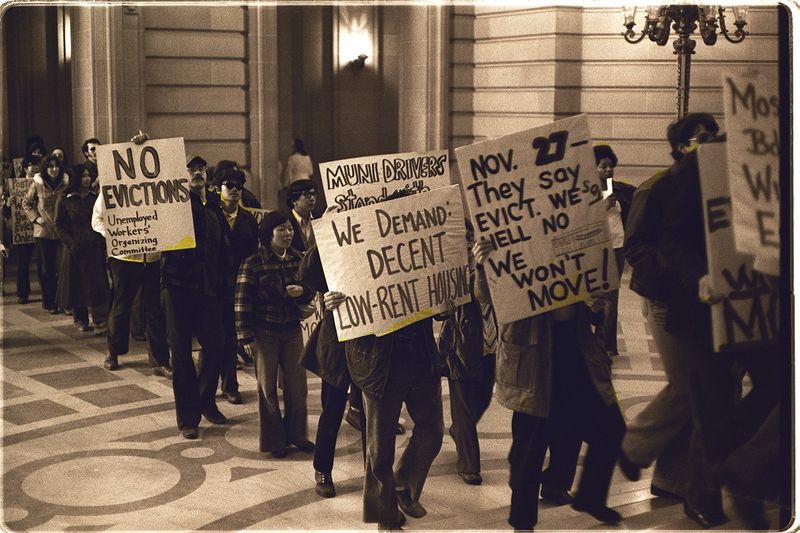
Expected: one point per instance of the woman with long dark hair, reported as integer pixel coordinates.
(83, 282)
(40, 207)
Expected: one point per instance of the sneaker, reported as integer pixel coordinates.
(324, 486)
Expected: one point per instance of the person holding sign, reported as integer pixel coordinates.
(720, 424)
(268, 296)
(40, 207)
(83, 281)
(555, 377)
(242, 231)
(24, 250)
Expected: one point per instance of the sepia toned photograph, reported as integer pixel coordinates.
(428, 266)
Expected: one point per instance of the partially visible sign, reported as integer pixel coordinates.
(360, 181)
(145, 193)
(259, 214)
(537, 196)
(397, 262)
(747, 315)
(21, 226)
(751, 117)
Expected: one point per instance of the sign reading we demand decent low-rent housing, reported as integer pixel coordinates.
(751, 118)
(397, 262)
(747, 314)
(536, 195)
(145, 194)
(360, 181)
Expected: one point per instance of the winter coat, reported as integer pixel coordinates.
(40, 205)
(460, 343)
(524, 371)
(82, 280)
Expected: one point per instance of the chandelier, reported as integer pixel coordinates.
(684, 20)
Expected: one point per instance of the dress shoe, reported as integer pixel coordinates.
(163, 371)
(67, 312)
(233, 397)
(629, 469)
(324, 486)
(111, 362)
(83, 328)
(706, 520)
(280, 453)
(556, 496)
(354, 418)
(189, 433)
(664, 493)
(604, 514)
(22, 300)
(396, 525)
(470, 479)
(304, 445)
(214, 416)
(409, 506)
(401, 429)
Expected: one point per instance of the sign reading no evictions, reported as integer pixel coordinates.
(397, 262)
(751, 116)
(536, 195)
(21, 226)
(145, 194)
(748, 312)
(351, 183)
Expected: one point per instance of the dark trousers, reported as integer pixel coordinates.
(47, 268)
(607, 332)
(127, 278)
(721, 423)
(138, 325)
(189, 314)
(468, 401)
(330, 420)
(227, 367)
(409, 380)
(24, 254)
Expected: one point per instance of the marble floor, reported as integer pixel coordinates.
(85, 449)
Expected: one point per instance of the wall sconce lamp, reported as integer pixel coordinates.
(358, 63)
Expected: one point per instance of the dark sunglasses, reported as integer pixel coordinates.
(233, 185)
(702, 138)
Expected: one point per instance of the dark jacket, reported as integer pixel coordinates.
(82, 280)
(40, 203)
(623, 192)
(651, 277)
(298, 242)
(460, 342)
(683, 247)
(243, 239)
(524, 372)
(202, 268)
(323, 354)
(369, 358)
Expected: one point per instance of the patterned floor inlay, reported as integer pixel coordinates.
(85, 449)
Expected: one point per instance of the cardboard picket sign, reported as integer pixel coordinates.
(747, 315)
(396, 262)
(21, 226)
(751, 117)
(308, 324)
(536, 195)
(360, 181)
(145, 193)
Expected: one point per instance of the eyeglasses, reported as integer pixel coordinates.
(309, 194)
(702, 138)
(233, 185)
(197, 170)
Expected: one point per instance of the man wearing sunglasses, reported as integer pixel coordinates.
(242, 231)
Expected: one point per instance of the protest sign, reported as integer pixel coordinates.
(352, 183)
(257, 213)
(536, 195)
(396, 262)
(21, 226)
(751, 116)
(748, 312)
(145, 193)
(307, 325)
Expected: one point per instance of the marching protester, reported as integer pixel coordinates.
(193, 283)
(40, 206)
(83, 284)
(89, 151)
(24, 251)
(248, 199)
(242, 232)
(268, 313)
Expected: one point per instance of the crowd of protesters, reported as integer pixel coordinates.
(244, 289)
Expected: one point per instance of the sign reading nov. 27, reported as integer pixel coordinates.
(747, 314)
(145, 194)
(536, 195)
(360, 181)
(396, 262)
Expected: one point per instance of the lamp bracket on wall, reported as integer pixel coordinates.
(358, 63)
